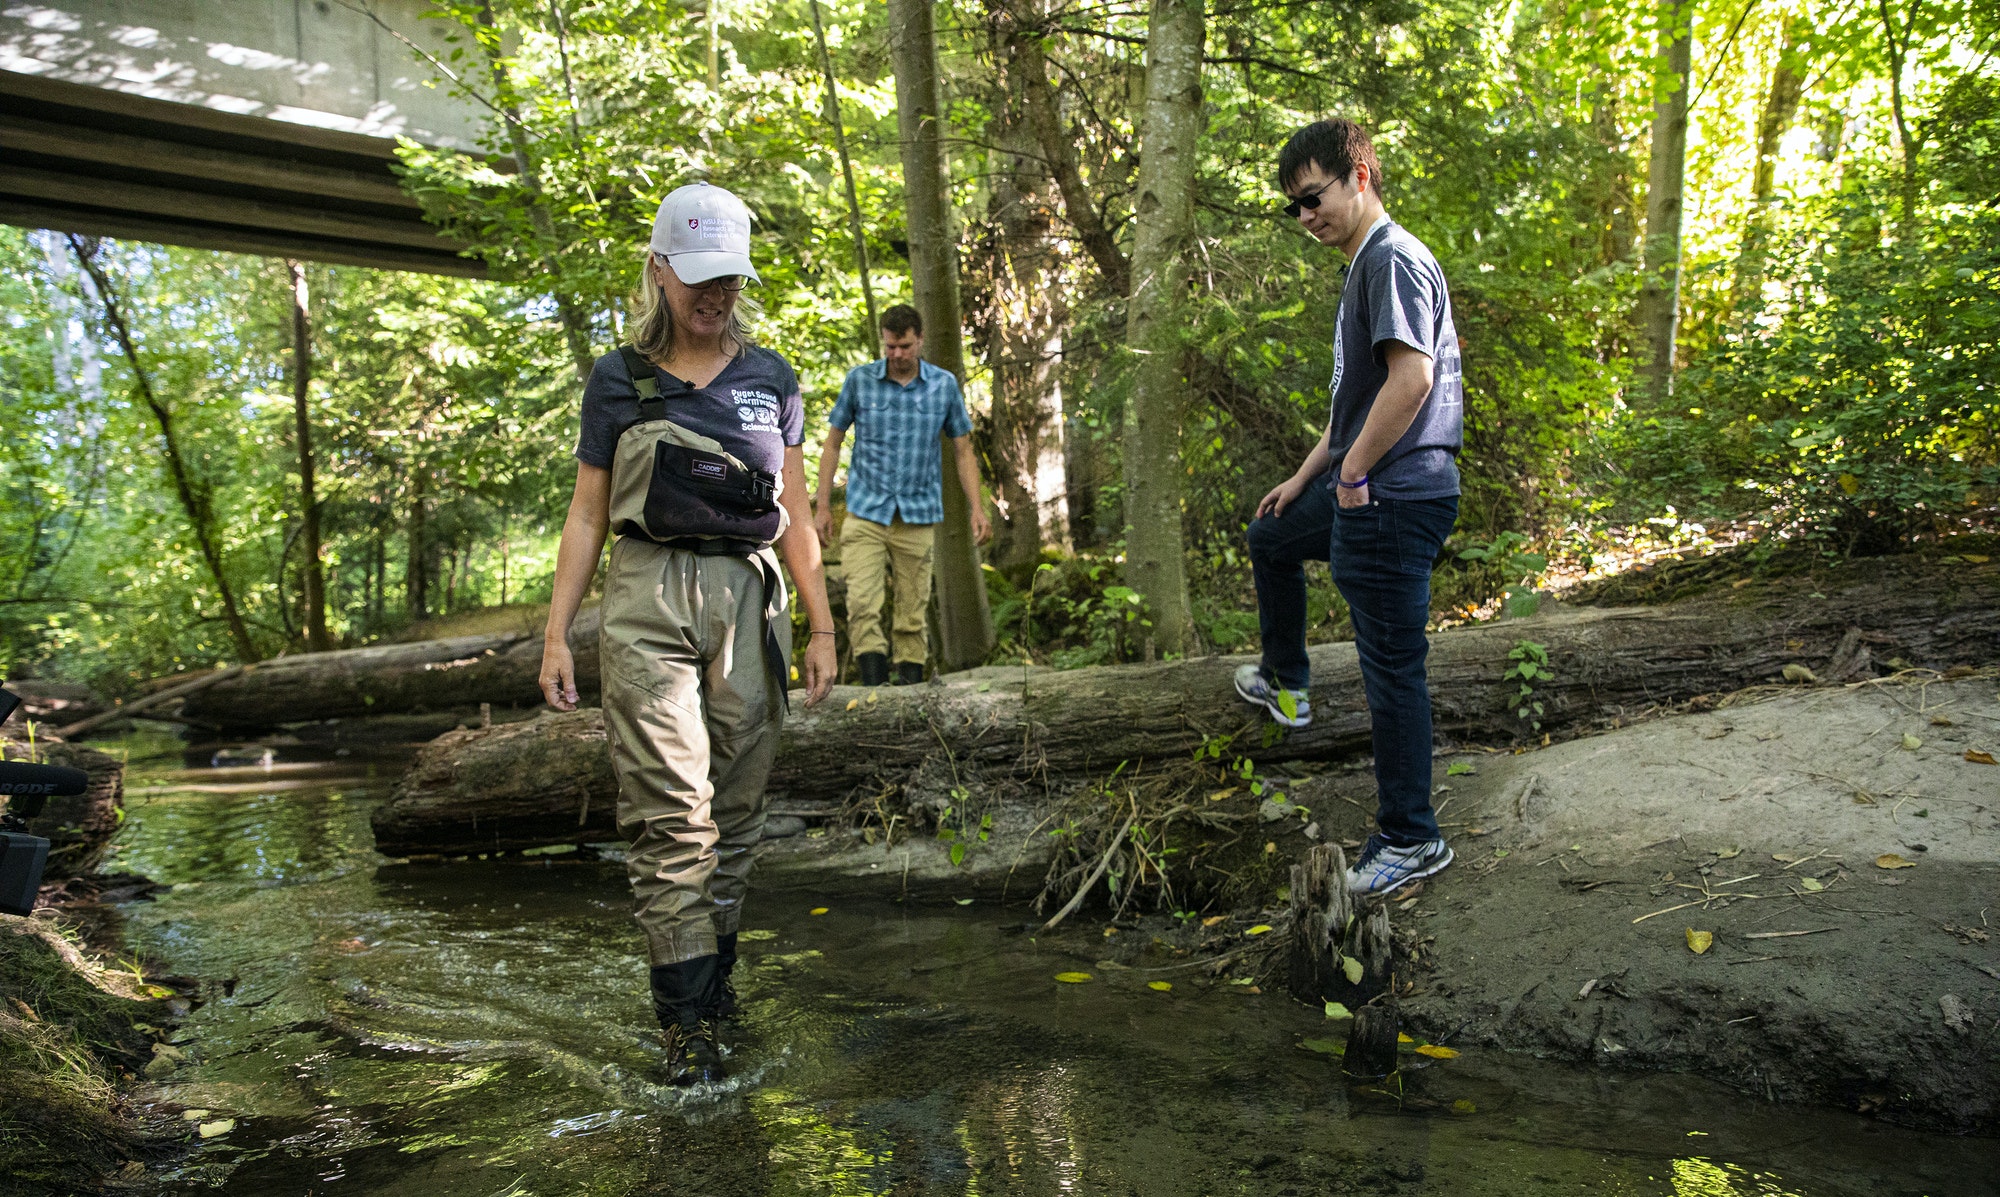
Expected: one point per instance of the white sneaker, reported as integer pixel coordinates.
(1384, 867)
(1288, 708)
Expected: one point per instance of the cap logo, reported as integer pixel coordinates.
(694, 222)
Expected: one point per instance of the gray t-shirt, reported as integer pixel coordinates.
(1395, 291)
(753, 408)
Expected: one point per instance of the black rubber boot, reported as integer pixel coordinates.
(909, 673)
(874, 668)
(686, 998)
(725, 946)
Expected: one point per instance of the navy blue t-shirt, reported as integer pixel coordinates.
(1395, 291)
(753, 408)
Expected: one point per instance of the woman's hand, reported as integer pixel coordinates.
(822, 667)
(558, 675)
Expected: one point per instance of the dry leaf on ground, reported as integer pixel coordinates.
(1700, 941)
(1892, 860)
(1160, 986)
(1978, 757)
(1072, 978)
(1435, 1052)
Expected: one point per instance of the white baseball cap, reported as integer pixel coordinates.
(704, 232)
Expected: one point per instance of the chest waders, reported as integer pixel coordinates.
(695, 653)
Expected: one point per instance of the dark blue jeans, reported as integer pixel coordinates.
(1381, 555)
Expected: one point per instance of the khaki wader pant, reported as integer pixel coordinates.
(867, 549)
(693, 715)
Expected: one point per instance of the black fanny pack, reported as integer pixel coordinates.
(693, 491)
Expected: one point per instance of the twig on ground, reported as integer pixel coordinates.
(1076, 899)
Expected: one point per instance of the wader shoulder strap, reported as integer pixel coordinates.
(652, 405)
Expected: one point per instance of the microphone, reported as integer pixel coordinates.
(27, 789)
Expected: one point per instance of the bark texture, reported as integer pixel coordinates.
(393, 679)
(1659, 299)
(1155, 563)
(965, 628)
(312, 574)
(549, 781)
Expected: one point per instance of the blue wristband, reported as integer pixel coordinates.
(1357, 485)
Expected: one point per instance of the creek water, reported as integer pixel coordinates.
(481, 1028)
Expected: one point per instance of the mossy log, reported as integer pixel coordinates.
(427, 675)
(548, 781)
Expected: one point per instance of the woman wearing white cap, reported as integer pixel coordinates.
(690, 453)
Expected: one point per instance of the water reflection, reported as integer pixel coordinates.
(482, 1028)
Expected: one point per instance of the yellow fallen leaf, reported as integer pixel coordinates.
(1911, 743)
(1978, 757)
(817, 910)
(1402, 1038)
(1160, 986)
(1799, 673)
(1976, 558)
(874, 697)
(1213, 919)
(221, 1126)
(1700, 941)
(1219, 795)
(1072, 978)
(852, 703)
(1462, 1106)
(1336, 1010)
(1891, 860)
(1811, 884)
(1352, 969)
(1270, 847)
(1259, 929)
(1437, 1053)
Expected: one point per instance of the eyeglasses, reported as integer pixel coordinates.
(1309, 201)
(728, 282)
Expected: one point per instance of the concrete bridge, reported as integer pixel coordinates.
(255, 126)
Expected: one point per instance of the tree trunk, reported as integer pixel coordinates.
(527, 784)
(1897, 43)
(575, 323)
(194, 499)
(1024, 334)
(416, 578)
(1027, 68)
(872, 335)
(1781, 104)
(1155, 564)
(965, 627)
(311, 568)
(388, 679)
(1659, 297)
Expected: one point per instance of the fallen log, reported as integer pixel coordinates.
(548, 781)
(186, 689)
(428, 675)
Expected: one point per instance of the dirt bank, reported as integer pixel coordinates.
(1830, 979)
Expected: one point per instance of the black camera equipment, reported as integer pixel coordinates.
(27, 788)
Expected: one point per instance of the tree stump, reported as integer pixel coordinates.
(1371, 1041)
(1340, 948)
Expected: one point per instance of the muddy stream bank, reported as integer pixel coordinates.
(480, 1027)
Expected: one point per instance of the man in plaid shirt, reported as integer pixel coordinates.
(898, 407)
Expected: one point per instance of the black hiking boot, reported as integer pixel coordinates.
(874, 668)
(909, 673)
(686, 997)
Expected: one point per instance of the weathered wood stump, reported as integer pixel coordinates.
(1340, 949)
(1371, 1042)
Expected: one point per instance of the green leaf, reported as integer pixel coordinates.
(1336, 1010)
(1460, 769)
(957, 854)
(1352, 969)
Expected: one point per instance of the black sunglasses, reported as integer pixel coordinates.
(728, 282)
(1309, 201)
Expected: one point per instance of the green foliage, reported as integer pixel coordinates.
(1860, 407)
(1508, 553)
(1530, 665)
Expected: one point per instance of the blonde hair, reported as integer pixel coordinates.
(652, 324)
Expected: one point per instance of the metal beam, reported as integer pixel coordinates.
(87, 160)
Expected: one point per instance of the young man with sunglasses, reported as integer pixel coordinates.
(1375, 498)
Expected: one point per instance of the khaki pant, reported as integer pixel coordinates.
(867, 549)
(693, 715)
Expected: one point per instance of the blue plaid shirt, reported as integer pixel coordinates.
(895, 469)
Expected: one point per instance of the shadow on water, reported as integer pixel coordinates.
(481, 1028)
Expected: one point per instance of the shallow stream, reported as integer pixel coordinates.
(481, 1028)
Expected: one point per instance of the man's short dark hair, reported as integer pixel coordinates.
(1336, 146)
(902, 319)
